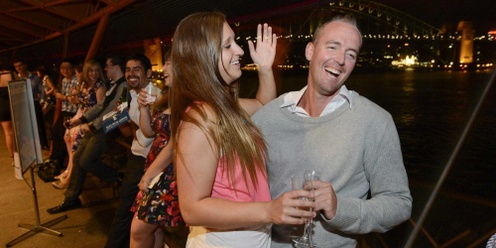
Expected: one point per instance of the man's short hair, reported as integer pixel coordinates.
(145, 61)
(117, 60)
(339, 18)
(67, 60)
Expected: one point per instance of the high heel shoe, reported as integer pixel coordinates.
(61, 175)
(62, 184)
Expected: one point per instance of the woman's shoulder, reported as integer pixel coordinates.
(201, 109)
(200, 113)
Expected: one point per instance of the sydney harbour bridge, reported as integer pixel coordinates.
(392, 38)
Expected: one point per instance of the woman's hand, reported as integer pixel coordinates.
(143, 184)
(74, 92)
(142, 99)
(74, 122)
(265, 51)
(290, 208)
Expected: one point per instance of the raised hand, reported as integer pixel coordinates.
(142, 101)
(263, 54)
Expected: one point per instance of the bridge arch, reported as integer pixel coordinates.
(398, 22)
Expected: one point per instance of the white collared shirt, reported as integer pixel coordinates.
(141, 144)
(292, 98)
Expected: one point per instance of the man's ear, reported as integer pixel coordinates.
(309, 51)
(149, 73)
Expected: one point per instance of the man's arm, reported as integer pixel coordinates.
(97, 122)
(390, 202)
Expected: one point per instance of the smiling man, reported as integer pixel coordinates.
(138, 74)
(351, 141)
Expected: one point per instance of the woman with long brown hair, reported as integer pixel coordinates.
(220, 154)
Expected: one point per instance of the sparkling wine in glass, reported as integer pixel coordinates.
(305, 181)
(152, 92)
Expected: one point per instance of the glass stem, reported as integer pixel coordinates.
(308, 230)
(305, 229)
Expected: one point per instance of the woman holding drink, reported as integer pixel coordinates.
(91, 92)
(220, 155)
(156, 205)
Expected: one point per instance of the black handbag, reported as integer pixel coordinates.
(48, 170)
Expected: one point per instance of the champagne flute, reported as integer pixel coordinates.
(306, 183)
(152, 92)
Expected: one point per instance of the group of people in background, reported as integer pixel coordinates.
(42, 89)
(224, 163)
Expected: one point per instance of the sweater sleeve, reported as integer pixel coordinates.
(389, 202)
(93, 112)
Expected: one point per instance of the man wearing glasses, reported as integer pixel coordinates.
(68, 109)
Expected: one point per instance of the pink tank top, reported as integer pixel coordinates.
(240, 193)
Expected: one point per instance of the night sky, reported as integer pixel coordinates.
(482, 13)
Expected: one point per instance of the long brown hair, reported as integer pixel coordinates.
(196, 51)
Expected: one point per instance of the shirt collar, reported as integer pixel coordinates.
(291, 99)
(133, 93)
(29, 75)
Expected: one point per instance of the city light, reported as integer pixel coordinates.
(407, 61)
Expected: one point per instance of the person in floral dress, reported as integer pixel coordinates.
(156, 206)
(91, 90)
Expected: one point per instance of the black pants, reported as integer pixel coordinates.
(59, 149)
(120, 231)
(41, 124)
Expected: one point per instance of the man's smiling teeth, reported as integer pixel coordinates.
(333, 71)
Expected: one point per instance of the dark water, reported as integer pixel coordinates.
(431, 110)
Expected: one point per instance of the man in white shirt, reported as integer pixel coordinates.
(349, 140)
(138, 74)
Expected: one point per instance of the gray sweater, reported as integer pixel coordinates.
(357, 150)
